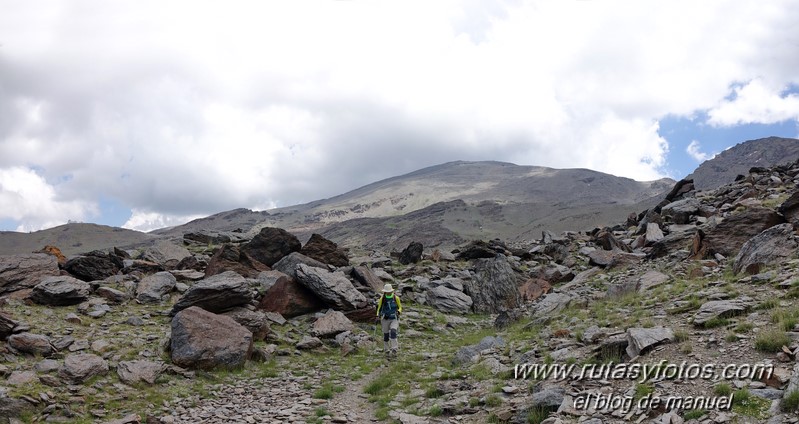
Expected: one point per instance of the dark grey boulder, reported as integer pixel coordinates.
(332, 287)
(494, 287)
(411, 254)
(60, 291)
(767, 248)
(94, 266)
(153, 288)
(255, 321)
(216, 293)
(448, 300)
(271, 245)
(288, 265)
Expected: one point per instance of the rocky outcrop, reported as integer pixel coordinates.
(60, 291)
(289, 298)
(411, 254)
(230, 257)
(19, 272)
(94, 266)
(332, 287)
(494, 287)
(153, 288)
(325, 251)
(767, 248)
(271, 245)
(204, 340)
(7, 325)
(216, 294)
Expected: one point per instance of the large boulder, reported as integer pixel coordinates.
(19, 272)
(60, 291)
(332, 287)
(790, 209)
(771, 246)
(680, 212)
(729, 235)
(411, 254)
(288, 265)
(611, 259)
(479, 249)
(494, 287)
(34, 344)
(215, 294)
(80, 367)
(448, 300)
(230, 257)
(152, 288)
(325, 251)
(165, 253)
(94, 266)
(331, 324)
(271, 245)
(289, 298)
(255, 321)
(204, 340)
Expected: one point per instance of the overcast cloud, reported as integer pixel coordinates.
(185, 108)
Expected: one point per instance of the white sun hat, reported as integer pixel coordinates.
(387, 288)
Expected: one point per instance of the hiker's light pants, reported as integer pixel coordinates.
(390, 328)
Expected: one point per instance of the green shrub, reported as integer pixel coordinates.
(771, 341)
(790, 402)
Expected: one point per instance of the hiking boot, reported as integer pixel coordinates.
(393, 353)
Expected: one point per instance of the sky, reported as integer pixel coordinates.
(145, 114)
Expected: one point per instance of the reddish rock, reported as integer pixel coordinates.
(231, 258)
(533, 289)
(325, 251)
(366, 314)
(54, 251)
(365, 276)
(289, 298)
(204, 340)
(728, 236)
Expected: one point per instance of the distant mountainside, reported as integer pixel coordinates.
(451, 202)
(737, 160)
(71, 239)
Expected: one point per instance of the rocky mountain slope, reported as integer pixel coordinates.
(71, 238)
(764, 152)
(690, 304)
(450, 203)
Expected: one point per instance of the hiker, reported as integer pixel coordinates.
(389, 309)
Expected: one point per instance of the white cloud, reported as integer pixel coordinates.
(756, 102)
(27, 198)
(190, 108)
(694, 152)
(147, 221)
